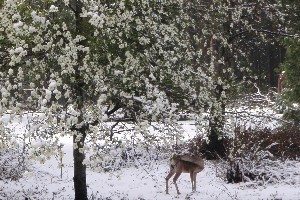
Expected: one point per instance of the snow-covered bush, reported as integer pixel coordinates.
(114, 157)
(12, 164)
(261, 153)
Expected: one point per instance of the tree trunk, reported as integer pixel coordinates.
(79, 132)
(215, 147)
(79, 167)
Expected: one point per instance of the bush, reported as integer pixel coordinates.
(12, 164)
(282, 143)
(258, 153)
(293, 115)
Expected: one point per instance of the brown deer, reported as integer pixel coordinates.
(186, 164)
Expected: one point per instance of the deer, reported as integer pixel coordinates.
(185, 164)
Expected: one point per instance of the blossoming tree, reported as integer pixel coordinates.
(76, 63)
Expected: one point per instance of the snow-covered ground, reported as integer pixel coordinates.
(44, 181)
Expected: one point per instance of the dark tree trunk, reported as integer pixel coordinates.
(215, 147)
(80, 131)
(79, 167)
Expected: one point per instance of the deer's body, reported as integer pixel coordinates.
(178, 166)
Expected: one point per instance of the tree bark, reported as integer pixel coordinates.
(215, 146)
(79, 167)
(80, 129)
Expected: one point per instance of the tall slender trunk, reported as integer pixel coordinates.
(215, 146)
(80, 129)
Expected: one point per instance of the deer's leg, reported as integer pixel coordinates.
(171, 173)
(175, 179)
(192, 180)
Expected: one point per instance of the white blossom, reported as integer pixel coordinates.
(53, 8)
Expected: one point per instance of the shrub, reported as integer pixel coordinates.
(259, 152)
(281, 143)
(12, 164)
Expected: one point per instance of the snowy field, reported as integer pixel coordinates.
(146, 182)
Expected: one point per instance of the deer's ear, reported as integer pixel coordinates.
(173, 156)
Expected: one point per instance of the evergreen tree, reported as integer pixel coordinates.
(291, 66)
